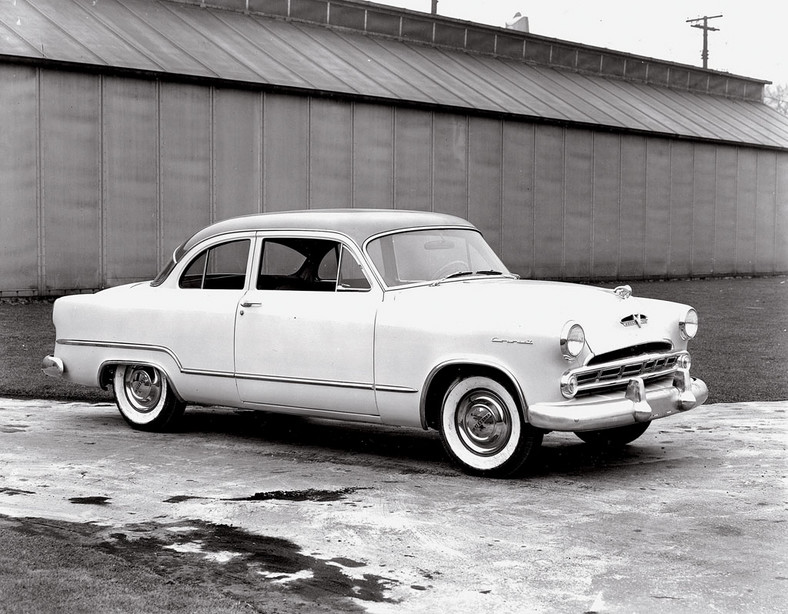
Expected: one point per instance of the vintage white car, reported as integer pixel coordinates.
(393, 317)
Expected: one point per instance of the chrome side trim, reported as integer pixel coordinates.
(123, 346)
(322, 382)
(246, 376)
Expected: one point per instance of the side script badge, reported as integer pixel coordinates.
(517, 341)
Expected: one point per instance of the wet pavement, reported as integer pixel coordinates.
(693, 516)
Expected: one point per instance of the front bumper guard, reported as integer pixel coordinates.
(640, 403)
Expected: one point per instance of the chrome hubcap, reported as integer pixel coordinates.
(143, 388)
(483, 422)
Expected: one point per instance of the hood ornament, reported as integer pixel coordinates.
(623, 292)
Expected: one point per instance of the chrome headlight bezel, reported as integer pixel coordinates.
(573, 340)
(688, 325)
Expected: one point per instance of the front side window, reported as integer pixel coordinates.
(221, 267)
(317, 265)
(431, 255)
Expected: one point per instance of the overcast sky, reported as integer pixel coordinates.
(751, 40)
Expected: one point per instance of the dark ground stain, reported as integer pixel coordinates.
(89, 500)
(11, 428)
(311, 494)
(345, 562)
(15, 491)
(249, 577)
(181, 498)
(252, 573)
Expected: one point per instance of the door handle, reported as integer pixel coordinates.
(247, 304)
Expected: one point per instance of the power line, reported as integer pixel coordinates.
(706, 28)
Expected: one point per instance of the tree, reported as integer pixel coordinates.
(776, 96)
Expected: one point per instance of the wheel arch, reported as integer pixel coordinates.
(107, 372)
(441, 377)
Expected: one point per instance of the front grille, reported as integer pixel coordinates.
(617, 373)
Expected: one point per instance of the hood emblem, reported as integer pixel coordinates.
(623, 292)
(636, 319)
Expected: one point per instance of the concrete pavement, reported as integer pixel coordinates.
(692, 517)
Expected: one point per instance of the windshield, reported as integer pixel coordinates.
(432, 255)
(164, 273)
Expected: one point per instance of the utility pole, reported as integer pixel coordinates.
(705, 27)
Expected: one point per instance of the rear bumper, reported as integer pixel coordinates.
(640, 403)
(52, 366)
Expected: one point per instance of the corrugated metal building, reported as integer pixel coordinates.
(127, 124)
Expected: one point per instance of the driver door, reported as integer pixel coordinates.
(305, 329)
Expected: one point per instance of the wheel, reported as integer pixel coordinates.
(483, 431)
(616, 437)
(145, 398)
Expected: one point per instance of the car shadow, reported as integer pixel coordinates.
(406, 449)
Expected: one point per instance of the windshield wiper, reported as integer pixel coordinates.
(464, 274)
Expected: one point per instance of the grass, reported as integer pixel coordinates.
(741, 351)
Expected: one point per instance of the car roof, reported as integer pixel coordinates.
(358, 224)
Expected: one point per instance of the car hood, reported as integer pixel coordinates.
(542, 308)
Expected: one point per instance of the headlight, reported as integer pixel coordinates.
(573, 340)
(688, 325)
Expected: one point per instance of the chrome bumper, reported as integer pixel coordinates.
(640, 403)
(52, 366)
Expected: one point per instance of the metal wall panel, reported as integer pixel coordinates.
(725, 210)
(237, 153)
(373, 156)
(765, 212)
(19, 235)
(71, 180)
(330, 154)
(632, 227)
(606, 214)
(122, 163)
(747, 195)
(781, 216)
(450, 162)
(412, 160)
(130, 179)
(484, 178)
(549, 180)
(657, 249)
(285, 152)
(185, 164)
(579, 192)
(517, 199)
(682, 177)
(703, 210)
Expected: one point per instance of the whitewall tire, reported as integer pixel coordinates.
(483, 431)
(145, 398)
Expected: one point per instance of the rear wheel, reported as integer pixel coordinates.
(483, 431)
(616, 437)
(145, 398)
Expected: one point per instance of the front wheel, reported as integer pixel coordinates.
(145, 398)
(483, 431)
(615, 437)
